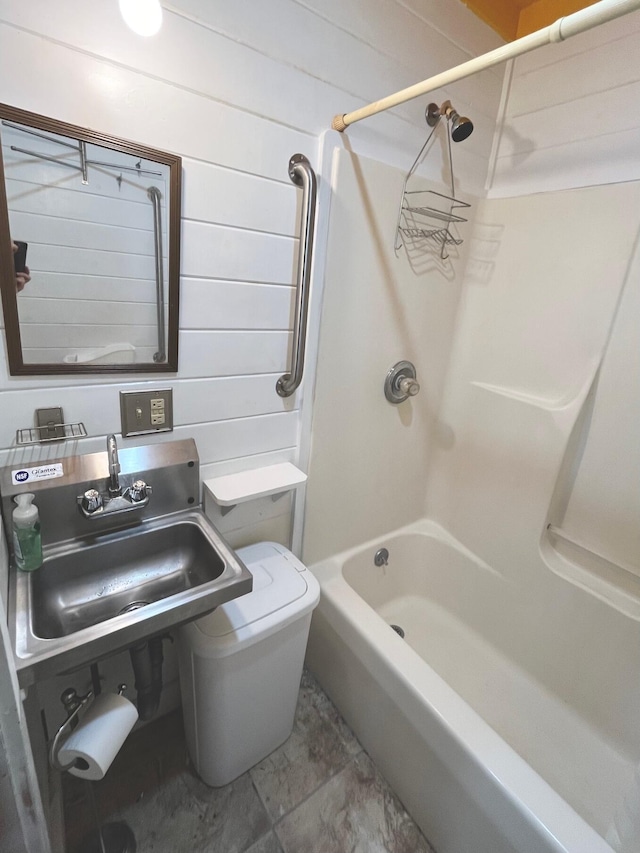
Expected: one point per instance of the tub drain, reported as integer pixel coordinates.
(135, 605)
(398, 630)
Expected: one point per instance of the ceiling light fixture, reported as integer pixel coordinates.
(144, 17)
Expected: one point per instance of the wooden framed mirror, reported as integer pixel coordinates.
(101, 220)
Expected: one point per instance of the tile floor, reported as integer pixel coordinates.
(318, 793)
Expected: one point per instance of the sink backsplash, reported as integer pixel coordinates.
(171, 468)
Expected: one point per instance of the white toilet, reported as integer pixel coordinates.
(240, 667)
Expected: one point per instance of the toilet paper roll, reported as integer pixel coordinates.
(99, 736)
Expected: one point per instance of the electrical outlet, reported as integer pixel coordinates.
(144, 412)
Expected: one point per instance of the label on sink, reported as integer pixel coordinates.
(41, 472)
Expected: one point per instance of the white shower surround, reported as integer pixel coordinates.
(481, 454)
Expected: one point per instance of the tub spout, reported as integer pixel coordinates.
(381, 558)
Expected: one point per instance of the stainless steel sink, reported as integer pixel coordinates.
(84, 587)
(110, 582)
(92, 598)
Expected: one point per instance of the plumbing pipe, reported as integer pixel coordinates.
(146, 660)
(562, 29)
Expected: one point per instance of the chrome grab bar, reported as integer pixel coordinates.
(156, 197)
(301, 174)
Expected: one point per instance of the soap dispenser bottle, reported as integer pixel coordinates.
(27, 544)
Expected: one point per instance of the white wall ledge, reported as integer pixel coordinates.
(272, 480)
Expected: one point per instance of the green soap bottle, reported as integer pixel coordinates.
(27, 544)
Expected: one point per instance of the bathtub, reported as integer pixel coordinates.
(484, 758)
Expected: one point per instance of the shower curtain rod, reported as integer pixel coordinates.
(562, 29)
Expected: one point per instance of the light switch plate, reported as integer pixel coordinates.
(143, 412)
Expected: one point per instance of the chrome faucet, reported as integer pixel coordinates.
(95, 504)
(114, 467)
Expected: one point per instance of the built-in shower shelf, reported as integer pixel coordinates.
(271, 480)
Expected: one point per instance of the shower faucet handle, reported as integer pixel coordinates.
(401, 382)
(408, 386)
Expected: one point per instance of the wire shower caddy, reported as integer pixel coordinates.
(425, 217)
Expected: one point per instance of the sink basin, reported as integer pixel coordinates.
(95, 596)
(82, 588)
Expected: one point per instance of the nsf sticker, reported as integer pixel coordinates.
(32, 475)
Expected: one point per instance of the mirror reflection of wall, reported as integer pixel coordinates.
(89, 217)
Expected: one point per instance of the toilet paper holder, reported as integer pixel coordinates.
(73, 704)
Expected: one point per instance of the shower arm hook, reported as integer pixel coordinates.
(433, 114)
(443, 249)
(421, 154)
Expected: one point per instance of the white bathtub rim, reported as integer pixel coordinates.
(423, 526)
(539, 804)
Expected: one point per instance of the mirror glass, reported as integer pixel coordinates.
(100, 220)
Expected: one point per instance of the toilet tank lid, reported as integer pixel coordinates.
(283, 590)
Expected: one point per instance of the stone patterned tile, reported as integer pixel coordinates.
(322, 792)
(268, 844)
(320, 745)
(310, 688)
(186, 816)
(354, 812)
(152, 755)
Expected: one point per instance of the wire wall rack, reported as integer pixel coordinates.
(426, 217)
(50, 432)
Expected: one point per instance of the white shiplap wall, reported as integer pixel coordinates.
(572, 116)
(235, 89)
(237, 235)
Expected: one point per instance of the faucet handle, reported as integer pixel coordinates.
(401, 382)
(91, 501)
(139, 490)
(409, 386)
